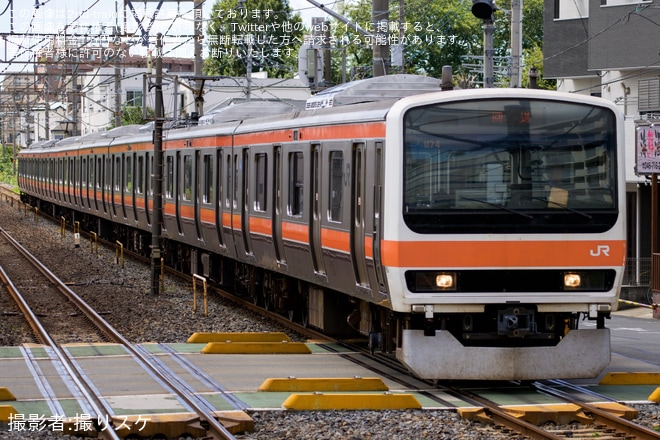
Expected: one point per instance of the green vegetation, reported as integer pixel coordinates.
(7, 174)
(268, 27)
(133, 115)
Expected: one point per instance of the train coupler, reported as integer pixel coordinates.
(516, 322)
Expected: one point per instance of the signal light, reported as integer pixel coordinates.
(483, 9)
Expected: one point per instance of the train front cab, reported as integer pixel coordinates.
(490, 266)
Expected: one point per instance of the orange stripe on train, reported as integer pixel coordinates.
(259, 225)
(451, 254)
(295, 232)
(333, 239)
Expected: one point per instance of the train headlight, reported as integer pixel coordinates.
(444, 281)
(588, 280)
(431, 281)
(572, 280)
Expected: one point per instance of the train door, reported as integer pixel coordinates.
(128, 193)
(107, 183)
(315, 217)
(177, 192)
(133, 183)
(357, 217)
(95, 180)
(118, 186)
(66, 180)
(84, 178)
(75, 182)
(377, 225)
(277, 205)
(218, 196)
(138, 188)
(196, 171)
(149, 184)
(78, 182)
(245, 201)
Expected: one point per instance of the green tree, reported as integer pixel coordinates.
(267, 27)
(131, 115)
(437, 34)
(7, 166)
(532, 39)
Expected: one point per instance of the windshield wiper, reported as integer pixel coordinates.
(504, 208)
(560, 205)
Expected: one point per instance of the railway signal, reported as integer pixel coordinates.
(483, 9)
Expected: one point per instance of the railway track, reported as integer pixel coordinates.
(605, 425)
(499, 416)
(94, 405)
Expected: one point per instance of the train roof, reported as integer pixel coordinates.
(373, 89)
(245, 110)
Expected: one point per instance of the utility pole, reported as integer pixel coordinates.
(380, 17)
(156, 227)
(47, 119)
(489, 30)
(516, 43)
(248, 68)
(13, 144)
(118, 91)
(327, 59)
(485, 10)
(198, 35)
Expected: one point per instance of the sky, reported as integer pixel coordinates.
(90, 17)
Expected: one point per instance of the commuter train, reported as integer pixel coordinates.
(469, 232)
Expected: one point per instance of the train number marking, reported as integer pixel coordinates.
(600, 250)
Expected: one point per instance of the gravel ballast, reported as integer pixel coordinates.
(124, 295)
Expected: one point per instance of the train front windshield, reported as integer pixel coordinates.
(509, 165)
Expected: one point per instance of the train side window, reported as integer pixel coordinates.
(296, 184)
(261, 176)
(187, 177)
(129, 174)
(139, 177)
(237, 169)
(83, 172)
(108, 174)
(92, 175)
(207, 182)
(117, 173)
(336, 185)
(170, 177)
(65, 172)
(228, 186)
(149, 172)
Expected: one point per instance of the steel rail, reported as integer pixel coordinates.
(195, 402)
(602, 416)
(96, 404)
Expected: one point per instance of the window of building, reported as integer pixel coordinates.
(571, 9)
(622, 2)
(134, 98)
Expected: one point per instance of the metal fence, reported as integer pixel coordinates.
(638, 272)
